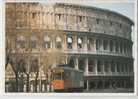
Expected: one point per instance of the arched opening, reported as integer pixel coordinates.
(47, 42)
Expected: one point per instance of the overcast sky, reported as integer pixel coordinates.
(125, 7)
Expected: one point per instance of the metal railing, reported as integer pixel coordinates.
(81, 51)
(108, 74)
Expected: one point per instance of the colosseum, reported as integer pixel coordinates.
(94, 40)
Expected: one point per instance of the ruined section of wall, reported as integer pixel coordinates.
(67, 17)
(80, 18)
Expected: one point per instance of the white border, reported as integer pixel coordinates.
(136, 48)
(2, 86)
(2, 49)
(74, 1)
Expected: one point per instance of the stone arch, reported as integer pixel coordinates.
(58, 42)
(34, 65)
(34, 41)
(20, 41)
(21, 65)
(71, 62)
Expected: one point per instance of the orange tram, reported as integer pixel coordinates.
(67, 80)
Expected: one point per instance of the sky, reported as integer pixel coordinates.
(125, 7)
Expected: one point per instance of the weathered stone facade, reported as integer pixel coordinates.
(96, 41)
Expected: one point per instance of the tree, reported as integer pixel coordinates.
(21, 66)
(18, 66)
(53, 57)
(35, 69)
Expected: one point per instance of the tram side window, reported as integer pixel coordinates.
(77, 76)
(72, 75)
(81, 64)
(80, 76)
(57, 76)
(66, 75)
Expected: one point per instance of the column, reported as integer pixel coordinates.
(43, 88)
(53, 19)
(6, 87)
(123, 48)
(87, 81)
(110, 67)
(66, 60)
(31, 87)
(38, 88)
(76, 63)
(53, 47)
(110, 84)
(108, 45)
(94, 49)
(53, 41)
(86, 66)
(103, 84)
(75, 40)
(95, 66)
(124, 84)
(39, 19)
(24, 88)
(85, 43)
(65, 42)
(103, 67)
(114, 46)
(101, 45)
(120, 67)
(40, 73)
(96, 84)
(92, 44)
(119, 47)
(115, 68)
(66, 21)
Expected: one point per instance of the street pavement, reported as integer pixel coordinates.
(117, 90)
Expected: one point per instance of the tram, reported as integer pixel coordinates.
(67, 79)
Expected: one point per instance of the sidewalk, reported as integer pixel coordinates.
(117, 90)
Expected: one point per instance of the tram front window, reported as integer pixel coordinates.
(57, 76)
